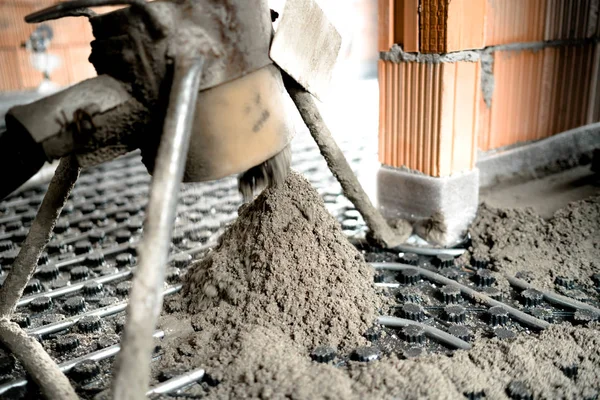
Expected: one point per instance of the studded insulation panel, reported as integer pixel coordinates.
(75, 302)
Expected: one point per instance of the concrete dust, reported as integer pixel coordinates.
(519, 241)
(284, 280)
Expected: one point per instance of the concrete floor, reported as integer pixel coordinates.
(545, 195)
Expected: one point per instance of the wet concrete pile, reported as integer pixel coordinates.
(284, 280)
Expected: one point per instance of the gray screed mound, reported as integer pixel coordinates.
(286, 264)
(284, 280)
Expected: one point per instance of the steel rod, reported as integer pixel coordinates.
(133, 363)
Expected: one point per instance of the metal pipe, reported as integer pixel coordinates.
(74, 288)
(430, 331)
(475, 295)
(554, 298)
(177, 383)
(132, 373)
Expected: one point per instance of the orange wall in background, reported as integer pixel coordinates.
(71, 43)
(434, 118)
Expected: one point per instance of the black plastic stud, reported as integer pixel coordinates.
(135, 225)
(74, 305)
(366, 354)
(13, 226)
(409, 258)
(323, 354)
(450, 294)
(413, 334)
(80, 273)
(123, 288)
(96, 236)
(409, 276)
(95, 260)
(44, 259)
(5, 245)
(19, 235)
(56, 246)
(62, 225)
(493, 292)
(89, 324)
(444, 260)
(479, 262)
(409, 295)
(48, 272)
(450, 273)
(22, 320)
(85, 226)
(66, 343)
(567, 283)
(121, 217)
(498, 315)
(413, 311)
(125, 260)
(504, 334)
(484, 277)
(107, 301)
(33, 286)
(455, 313)
(182, 260)
(460, 331)
(173, 275)
(122, 236)
(83, 247)
(40, 304)
(85, 371)
(373, 333)
(92, 288)
(532, 297)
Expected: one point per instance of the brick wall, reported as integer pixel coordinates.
(541, 76)
(71, 43)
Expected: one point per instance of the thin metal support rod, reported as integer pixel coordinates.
(381, 232)
(42, 369)
(473, 294)
(39, 235)
(133, 363)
